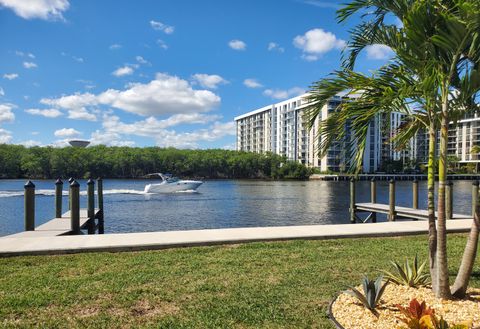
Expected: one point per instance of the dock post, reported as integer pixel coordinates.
(352, 200)
(373, 197)
(58, 198)
(101, 227)
(70, 181)
(391, 200)
(474, 197)
(415, 193)
(448, 199)
(29, 206)
(91, 206)
(75, 207)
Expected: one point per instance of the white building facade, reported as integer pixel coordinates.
(280, 128)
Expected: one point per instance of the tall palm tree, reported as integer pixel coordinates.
(435, 48)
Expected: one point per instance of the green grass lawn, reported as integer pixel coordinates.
(268, 285)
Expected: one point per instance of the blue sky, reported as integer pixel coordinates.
(166, 73)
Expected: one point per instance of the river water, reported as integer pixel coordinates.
(217, 204)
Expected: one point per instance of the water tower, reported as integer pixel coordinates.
(79, 143)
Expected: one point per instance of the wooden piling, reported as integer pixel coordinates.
(448, 199)
(29, 205)
(101, 227)
(391, 200)
(474, 197)
(91, 206)
(373, 198)
(352, 200)
(415, 193)
(58, 198)
(70, 181)
(75, 207)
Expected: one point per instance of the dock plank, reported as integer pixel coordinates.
(54, 227)
(402, 211)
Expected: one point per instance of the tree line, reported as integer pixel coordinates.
(17, 161)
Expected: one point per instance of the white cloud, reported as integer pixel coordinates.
(151, 125)
(252, 83)
(29, 65)
(78, 59)
(159, 26)
(230, 147)
(10, 76)
(141, 60)
(310, 58)
(122, 71)
(5, 136)
(322, 4)
(317, 42)
(81, 114)
(100, 137)
(115, 46)
(283, 94)
(43, 9)
(23, 54)
(378, 51)
(30, 143)
(6, 114)
(165, 94)
(272, 46)
(237, 45)
(67, 133)
(48, 113)
(209, 81)
(162, 44)
(113, 130)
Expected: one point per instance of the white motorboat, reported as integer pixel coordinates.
(171, 184)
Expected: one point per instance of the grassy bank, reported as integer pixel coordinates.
(273, 285)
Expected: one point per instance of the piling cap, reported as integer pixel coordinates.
(90, 182)
(391, 180)
(475, 182)
(415, 180)
(71, 179)
(352, 179)
(74, 183)
(99, 178)
(58, 182)
(29, 184)
(373, 179)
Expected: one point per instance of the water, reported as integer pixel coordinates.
(217, 204)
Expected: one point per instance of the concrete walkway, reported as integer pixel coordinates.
(14, 246)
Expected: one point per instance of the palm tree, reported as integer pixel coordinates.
(435, 52)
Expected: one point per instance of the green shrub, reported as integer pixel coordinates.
(372, 292)
(408, 275)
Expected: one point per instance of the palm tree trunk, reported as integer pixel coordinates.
(432, 229)
(470, 253)
(442, 287)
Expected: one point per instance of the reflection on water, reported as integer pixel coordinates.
(217, 204)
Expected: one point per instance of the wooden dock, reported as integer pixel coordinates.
(394, 212)
(70, 222)
(57, 226)
(401, 212)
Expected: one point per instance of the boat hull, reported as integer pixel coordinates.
(179, 186)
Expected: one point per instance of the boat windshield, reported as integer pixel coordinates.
(172, 179)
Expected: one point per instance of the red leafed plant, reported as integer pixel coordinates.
(415, 310)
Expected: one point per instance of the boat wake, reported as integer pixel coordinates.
(9, 194)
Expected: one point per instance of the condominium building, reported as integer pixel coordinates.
(462, 137)
(280, 128)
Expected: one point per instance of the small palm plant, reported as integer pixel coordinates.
(409, 274)
(372, 292)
